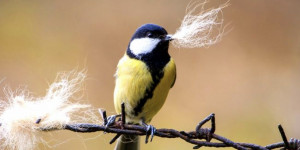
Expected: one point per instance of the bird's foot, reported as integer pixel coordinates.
(150, 131)
(111, 120)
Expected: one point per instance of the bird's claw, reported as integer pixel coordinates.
(110, 120)
(150, 129)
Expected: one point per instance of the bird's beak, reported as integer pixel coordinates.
(168, 37)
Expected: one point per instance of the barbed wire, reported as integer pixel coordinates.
(200, 137)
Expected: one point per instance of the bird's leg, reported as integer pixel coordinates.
(151, 129)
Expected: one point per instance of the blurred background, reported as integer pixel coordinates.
(250, 79)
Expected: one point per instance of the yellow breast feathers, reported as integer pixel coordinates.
(143, 96)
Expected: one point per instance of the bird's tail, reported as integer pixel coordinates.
(128, 142)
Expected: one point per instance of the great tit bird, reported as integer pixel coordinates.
(144, 77)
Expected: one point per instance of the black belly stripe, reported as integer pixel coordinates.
(156, 77)
(156, 62)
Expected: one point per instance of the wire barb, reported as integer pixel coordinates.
(208, 132)
(286, 143)
(201, 123)
(213, 124)
(115, 138)
(103, 115)
(123, 113)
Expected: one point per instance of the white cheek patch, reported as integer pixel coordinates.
(143, 45)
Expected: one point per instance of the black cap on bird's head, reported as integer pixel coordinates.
(151, 31)
(149, 40)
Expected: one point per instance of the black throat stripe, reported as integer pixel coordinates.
(156, 62)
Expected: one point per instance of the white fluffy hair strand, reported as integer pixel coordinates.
(22, 116)
(199, 29)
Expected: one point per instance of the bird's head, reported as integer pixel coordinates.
(149, 39)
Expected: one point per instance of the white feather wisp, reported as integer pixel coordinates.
(22, 116)
(201, 29)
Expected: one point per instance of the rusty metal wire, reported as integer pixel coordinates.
(201, 137)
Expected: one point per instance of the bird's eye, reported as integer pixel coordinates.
(149, 34)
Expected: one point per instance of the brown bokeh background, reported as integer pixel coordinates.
(250, 79)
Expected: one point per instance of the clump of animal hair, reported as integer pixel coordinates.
(22, 116)
(201, 29)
